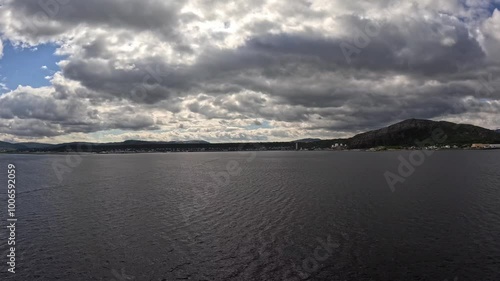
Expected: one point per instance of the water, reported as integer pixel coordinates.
(254, 216)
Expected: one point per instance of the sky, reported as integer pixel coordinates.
(27, 66)
(263, 70)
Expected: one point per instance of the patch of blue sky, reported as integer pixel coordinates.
(263, 125)
(32, 66)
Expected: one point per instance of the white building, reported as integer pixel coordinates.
(484, 146)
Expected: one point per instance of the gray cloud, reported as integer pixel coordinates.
(49, 18)
(331, 68)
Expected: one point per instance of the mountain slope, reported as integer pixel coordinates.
(35, 145)
(7, 146)
(411, 132)
(307, 140)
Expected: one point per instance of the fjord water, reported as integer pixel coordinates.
(255, 216)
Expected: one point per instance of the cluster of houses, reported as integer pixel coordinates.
(485, 146)
(339, 146)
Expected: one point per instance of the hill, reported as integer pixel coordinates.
(412, 131)
(307, 140)
(7, 146)
(35, 145)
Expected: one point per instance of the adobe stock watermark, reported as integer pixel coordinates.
(121, 276)
(416, 158)
(486, 85)
(71, 161)
(153, 78)
(310, 265)
(49, 9)
(203, 196)
(364, 36)
(362, 39)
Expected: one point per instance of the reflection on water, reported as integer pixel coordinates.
(262, 216)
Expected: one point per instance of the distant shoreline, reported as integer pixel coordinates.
(218, 151)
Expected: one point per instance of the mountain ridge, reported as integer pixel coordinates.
(412, 131)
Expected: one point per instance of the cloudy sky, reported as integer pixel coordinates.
(111, 70)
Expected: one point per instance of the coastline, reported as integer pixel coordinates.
(218, 151)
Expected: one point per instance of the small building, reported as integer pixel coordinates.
(479, 145)
(337, 146)
(485, 146)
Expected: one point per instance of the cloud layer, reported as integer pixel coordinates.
(261, 70)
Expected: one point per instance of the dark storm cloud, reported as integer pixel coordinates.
(281, 56)
(27, 107)
(30, 128)
(142, 84)
(54, 17)
(395, 47)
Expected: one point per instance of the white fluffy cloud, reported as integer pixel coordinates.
(251, 70)
(491, 35)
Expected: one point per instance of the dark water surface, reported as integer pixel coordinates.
(254, 216)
